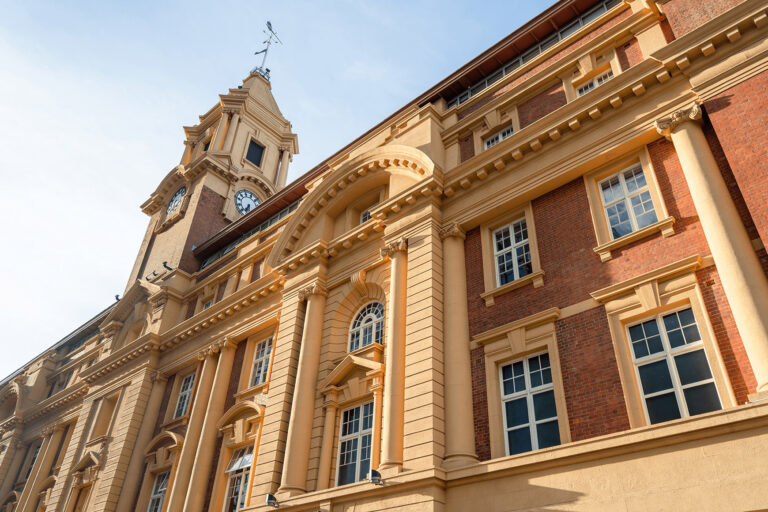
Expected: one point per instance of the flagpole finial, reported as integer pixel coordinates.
(271, 39)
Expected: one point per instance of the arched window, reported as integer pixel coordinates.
(367, 327)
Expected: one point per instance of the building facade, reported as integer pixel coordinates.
(540, 285)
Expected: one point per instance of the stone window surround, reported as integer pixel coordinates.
(605, 242)
(487, 229)
(359, 435)
(659, 291)
(253, 135)
(510, 342)
(245, 390)
(168, 419)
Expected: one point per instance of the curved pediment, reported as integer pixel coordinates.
(172, 182)
(164, 438)
(316, 223)
(245, 409)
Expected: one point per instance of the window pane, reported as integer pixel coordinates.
(517, 412)
(519, 440)
(618, 218)
(662, 408)
(655, 377)
(255, 152)
(544, 405)
(701, 399)
(692, 367)
(365, 457)
(548, 434)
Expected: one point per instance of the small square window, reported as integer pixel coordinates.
(627, 202)
(255, 153)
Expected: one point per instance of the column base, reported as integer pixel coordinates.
(390, 469)
(758, 396)
(459, 460)
(284, 493)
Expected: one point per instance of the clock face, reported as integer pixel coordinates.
(176, 200)
(245, 200)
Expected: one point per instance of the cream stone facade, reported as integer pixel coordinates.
(540, 285)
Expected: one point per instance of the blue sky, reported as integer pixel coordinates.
(93, 96)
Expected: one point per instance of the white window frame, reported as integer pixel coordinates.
(159, 488)
(528, 393)
(594, 83)
(360, 435)
(185, 395)
(261, 357)
(668, 354)
(238, 474)
(627, 199)
(366, 321)
(513, 249)
(499, 136)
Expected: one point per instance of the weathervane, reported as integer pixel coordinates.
(271, 34)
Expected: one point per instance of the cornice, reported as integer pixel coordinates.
(58, 400)
(685, 265)
(231, 306)
(626, 27)
(122, 356)
(586, 111)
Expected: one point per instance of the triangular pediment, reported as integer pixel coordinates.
(348, 365)
(138, 292)
(89, 459)
(313, 228)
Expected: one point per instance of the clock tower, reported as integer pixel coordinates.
(235, 158)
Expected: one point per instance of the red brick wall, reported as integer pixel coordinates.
(207, 221)
(666, 29)
(480, 404)
(593, 392)
(566, 248)
(685, 15)
(466, 148)
(629, 54)
(550, 61)
(739, 117)
(234, 377)
(729, 342)
(542, 104)
(163, 407)
(566, 239)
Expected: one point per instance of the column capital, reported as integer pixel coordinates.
(451, 230)
(189, 143)
(313, 289)
(229, 111)
(666, 125)
(390, 248)
(226, 344)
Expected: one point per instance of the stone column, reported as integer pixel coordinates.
(189, 150)
(743, 279)
(221, 130)
(282, 173)
(208, 437)
(133, 475)
(326, 449)
(9, 463)
(43, 464)
(230, 138)
(459, 423)
(303, 406)
(394, 378)
(180, 483)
